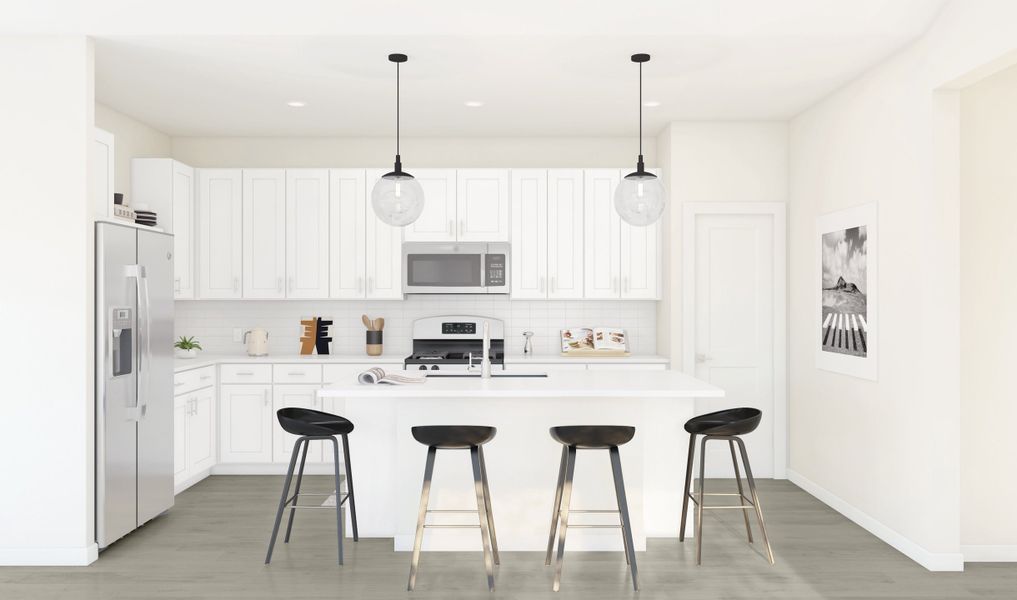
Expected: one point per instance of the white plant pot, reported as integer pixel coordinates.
(190, 353)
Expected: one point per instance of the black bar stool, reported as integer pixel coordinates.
(315, 425)
(457, 437)
(722, 425)
(589, 437)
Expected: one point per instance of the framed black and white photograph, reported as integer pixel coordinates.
(846, 320)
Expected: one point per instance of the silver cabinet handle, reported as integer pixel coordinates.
(278, 284)
(450, 226)
(178, 384)
(176, 284)
(236, 283)
(204, 377)
(370, 285)
(614, 284)
(245, 373)
(266, 396)
(541, 285)
(360, 285)
(625, 284)
(289, 284)
(296, 373)
(554, 286)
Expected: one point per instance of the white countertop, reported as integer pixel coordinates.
(204, 360)
(557, 384)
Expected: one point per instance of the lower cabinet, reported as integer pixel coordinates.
(247, 423)
(194, 435)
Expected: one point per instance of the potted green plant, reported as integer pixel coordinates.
(187, 347)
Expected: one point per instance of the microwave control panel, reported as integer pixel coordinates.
(495, 270)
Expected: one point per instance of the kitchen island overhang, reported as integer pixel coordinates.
(522, 460)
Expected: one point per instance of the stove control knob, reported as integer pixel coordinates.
(434, 367)
(422, 368)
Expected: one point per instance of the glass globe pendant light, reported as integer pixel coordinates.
(397, 198)
(640, 197)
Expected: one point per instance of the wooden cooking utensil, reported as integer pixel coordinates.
(379, 323)
(367, 322)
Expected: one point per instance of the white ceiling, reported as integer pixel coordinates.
(721, 60)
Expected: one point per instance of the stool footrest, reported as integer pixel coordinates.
(571, 526)
(430, 526)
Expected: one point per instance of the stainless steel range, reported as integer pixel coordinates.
(453, 343)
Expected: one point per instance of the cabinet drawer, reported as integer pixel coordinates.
(246, 373)
(296, 373)
(188, 381)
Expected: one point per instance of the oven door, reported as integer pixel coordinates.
(443, 268)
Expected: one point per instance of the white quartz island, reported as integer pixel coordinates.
(522, 460)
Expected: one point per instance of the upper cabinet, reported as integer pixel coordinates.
(167, 187)
(220, 239)
(307, 233)
(482, 205)
(622, 261)
(366, 257)
(529, 234)
(438, 221)
(264, 218)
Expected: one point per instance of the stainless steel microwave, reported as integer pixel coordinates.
(452, 268)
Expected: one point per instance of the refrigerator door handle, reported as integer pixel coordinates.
(137, 272)
(146, 378)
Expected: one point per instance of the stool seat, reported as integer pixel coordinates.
(593, 436)
(733, 421)
(304, 421)
(453, 436)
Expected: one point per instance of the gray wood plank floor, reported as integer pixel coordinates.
(212, 545)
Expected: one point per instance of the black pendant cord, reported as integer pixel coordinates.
(397, 110)
(640, 112)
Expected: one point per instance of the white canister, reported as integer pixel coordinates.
(257, 342)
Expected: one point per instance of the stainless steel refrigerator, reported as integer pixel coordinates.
(134, 378)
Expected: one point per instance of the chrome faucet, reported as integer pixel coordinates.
(528, 345)
(485, 361)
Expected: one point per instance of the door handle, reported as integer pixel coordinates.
(176, 284)
(701, 358)
(278, 284)
(236, 283)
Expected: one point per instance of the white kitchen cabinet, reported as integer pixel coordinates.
(220, 240)
(367, 254)
(166, 186)
(264, 239)
(438, 222)
(295, 396)
(603, 234)
(101, 161)
(194, 426)
(482, 205)
(181, 413)
(529, 234)
(247, 422)
(201, 431)
(622, 261)
(307, 233)
(565, 224)
(348, 213)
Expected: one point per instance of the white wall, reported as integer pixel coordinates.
(416, 152)
(133, 139)
(988, 130)
(213, 321)
(887, 453)
(46, 416)
(712, 162)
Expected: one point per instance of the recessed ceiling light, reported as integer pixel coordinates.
(651, 104)
(474, 103)
(296, 103)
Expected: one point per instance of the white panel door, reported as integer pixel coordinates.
(602, 263)
(264, 233)
(482, 205)
(347, 213)
(307, 233)
(565, 237)
(734, 300)
(183, 230)
(438, 221)
(384, 260)
(293, 396)
(181, 413)
(201, 431)
(640, 259)
(529, 234)
(220, 244)
(246, 423)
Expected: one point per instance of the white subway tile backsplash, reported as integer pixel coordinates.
(213, 321)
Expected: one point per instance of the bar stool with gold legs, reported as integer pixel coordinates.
(724, 425)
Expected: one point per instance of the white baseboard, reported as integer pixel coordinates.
(989, 553)
(49, 557)
(193, 479)
(933, 561)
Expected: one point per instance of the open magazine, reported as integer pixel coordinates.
(375, 375)
(597, 338)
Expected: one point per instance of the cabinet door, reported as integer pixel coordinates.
(347, 213)
(264, 233)
(220, 247)
(247, 421)
(183, 230)
(201, 431)
(640, 260)
(384, 258)
(603, 232)
(529, 234)
(307, 233)
(565, 237)
(482, 205)
(293, 396)
(438, 221)
(181, 413)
